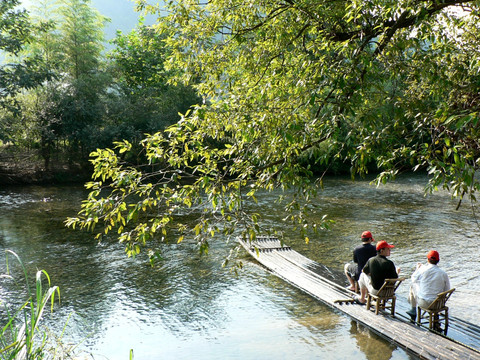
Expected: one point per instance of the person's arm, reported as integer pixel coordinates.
(415, 275)
(393, 274)
(366, 268)
(447, 283)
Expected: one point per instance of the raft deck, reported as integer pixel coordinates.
(319, 281)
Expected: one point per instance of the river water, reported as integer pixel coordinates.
(188, 307)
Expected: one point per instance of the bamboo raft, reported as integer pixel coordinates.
(323, 284)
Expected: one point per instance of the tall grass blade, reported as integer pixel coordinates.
(22, 342)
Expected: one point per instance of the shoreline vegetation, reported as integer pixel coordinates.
(23, 166)
(26, 167)
(22, 337)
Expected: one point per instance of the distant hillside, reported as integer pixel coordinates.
(122, 14)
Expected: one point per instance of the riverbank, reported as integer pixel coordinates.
(28, 168)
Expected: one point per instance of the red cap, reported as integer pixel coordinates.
(383, 244)
(433, 255)
(367, 235)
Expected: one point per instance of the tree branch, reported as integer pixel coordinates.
(402, 22)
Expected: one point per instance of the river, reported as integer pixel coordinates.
(189, 307)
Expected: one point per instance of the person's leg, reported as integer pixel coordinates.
(363, 294)
(412, 299)
(364, 282)
(423, 303)
(348, 274)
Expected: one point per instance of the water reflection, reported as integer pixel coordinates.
(189, 307)
(371, 344)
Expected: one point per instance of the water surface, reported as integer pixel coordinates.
(188, 307)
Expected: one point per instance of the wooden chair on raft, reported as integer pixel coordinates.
(436, 312)
(385, 298)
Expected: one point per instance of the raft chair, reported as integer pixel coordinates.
(436, 312)
(385, 298)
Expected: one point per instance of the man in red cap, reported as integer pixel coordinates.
(361, 254)
(427, 281)
(375, 271)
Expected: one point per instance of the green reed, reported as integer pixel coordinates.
(20, 337)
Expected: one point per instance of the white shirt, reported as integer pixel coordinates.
(429, 281)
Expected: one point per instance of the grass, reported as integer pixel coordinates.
(21, 337)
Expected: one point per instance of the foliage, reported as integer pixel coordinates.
(139, 57)
(27, 73)
(145, 103)
(91, 102)
(67, 108)
(81, 37)
(19, 337)
(389, 83)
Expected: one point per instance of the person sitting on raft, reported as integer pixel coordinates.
(427, 281)
(375, 271)
(361, 254)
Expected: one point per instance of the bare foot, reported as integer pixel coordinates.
(358, 300)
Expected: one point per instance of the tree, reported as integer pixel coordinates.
(27, 73)
(145, 102)
(40, 121)
(82, 39)
(68, 107)
(47, 44)
(289, 86)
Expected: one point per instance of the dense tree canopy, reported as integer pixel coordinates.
(147, 100)
(67, 108)
(290, 88)
(15, 32)
(90, 99)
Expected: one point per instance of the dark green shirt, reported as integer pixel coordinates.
(380, 268)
